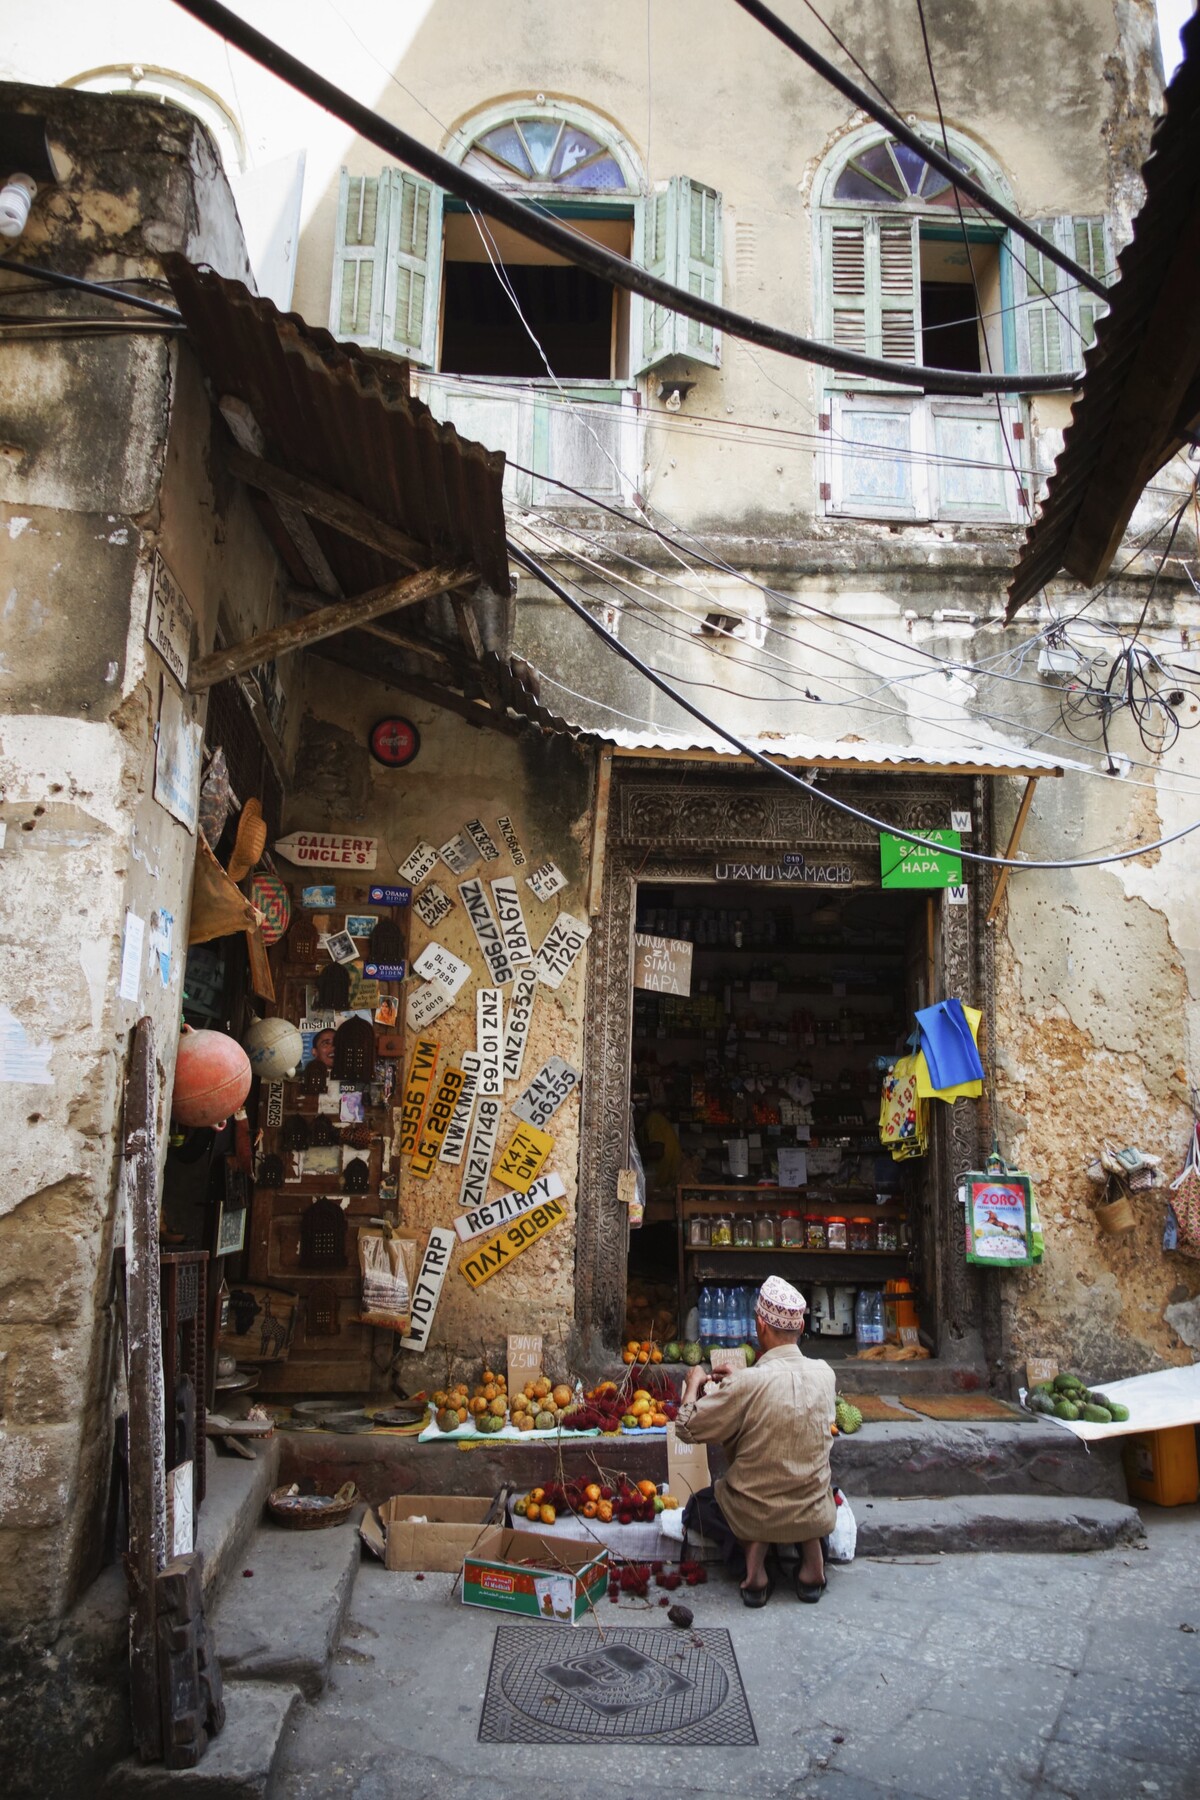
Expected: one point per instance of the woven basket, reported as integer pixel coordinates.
(311, 1512)
(1117, 1217)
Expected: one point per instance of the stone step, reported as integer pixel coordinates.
(282, 1622)
(238, 1765)
(1021, 1455)
(1015, 1522)
(235, 1494)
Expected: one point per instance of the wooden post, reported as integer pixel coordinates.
(1014, 840)
(599, 833)
(147, 1449)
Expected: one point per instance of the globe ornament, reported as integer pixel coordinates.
(274, 1047)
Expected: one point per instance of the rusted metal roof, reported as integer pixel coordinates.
(516, 684)
(333, 414)
(1124, 338)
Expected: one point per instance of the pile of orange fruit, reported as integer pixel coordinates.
(647, 1351)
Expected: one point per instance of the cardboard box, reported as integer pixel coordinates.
(455, 1524)
(532, 1577)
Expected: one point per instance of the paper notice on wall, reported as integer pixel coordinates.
(512, 921)
(418, 863)
(546, 1092)
(489, 1040)
(432, 906)
(481, 1148)
(559, 949)
(129, 986)
(793, 1167)
(520, 1013)
(546, 880)
(21, 1060)
(458, 1130)
(177, 759)
(436, 963)
(487, 932)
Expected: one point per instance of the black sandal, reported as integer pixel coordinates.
(757, 1597)
(809, 1591)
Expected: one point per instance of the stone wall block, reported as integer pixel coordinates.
(37, 1468)
(45, 1374)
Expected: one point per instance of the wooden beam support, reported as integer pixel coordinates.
(599, 832)
(1013, 842)
(476, 713)
(468, 626)
(310, 602)
(328, 621)
(348, 516)
(295, 523)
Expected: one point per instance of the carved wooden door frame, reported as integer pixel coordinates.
(677, 825)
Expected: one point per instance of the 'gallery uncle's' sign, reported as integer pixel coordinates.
(328, 848)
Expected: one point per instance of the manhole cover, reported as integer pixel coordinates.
(551, 1686)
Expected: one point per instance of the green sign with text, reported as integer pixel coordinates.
(903, 864)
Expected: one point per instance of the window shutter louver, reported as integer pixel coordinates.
(356, 298)
(414, 263)
(846, 283)
(677, 235)
(1086, 240)
(899, 290)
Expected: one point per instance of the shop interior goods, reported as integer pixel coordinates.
(212, 1078)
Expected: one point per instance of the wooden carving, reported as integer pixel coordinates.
(354, 1051)
(323, 1236)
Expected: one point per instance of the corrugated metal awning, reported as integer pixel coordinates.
(1141, 384)
(333, 415)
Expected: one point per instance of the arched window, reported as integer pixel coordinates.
(150, 83)
(548, 151)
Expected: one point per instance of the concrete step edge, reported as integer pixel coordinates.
(265, 1656)
(232, 1510)
(238, 1765)
(1020, 1523)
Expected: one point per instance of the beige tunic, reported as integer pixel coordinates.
(773, 1422)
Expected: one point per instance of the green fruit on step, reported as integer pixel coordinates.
(1120, 1414)
(1065, 1409)
(672, 1352)
(1040, 1403)
(692, 1355)
(545, 1421)
(447, 1420)
(848, 1417)
(1096, 1415)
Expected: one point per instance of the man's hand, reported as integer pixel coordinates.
(696, 1378)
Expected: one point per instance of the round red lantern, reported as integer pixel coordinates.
(212, 1078)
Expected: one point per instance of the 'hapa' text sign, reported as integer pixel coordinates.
(494, 1253)
(546, 1092)
(559, 949)
(487, 932)
(322, 847)
(441, 1111)
(428, 1287)
(523, 1157)
(416, 1095)
(501, 1211)
(661, 964)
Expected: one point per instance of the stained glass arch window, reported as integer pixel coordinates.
(550, 145)
(871, 169)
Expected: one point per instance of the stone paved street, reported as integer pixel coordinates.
(933, 1678)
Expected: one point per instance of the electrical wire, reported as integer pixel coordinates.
(56, 278)
(604, 263)
(826, 798)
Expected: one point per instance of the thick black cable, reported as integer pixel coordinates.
(605, 264)
(56, 278)
(883, 115)
(742, 748)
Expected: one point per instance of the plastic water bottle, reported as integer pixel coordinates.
(704, 1309)
(868, 1316)
(743, 1313)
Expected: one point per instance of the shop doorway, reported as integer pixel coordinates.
(755, 1102)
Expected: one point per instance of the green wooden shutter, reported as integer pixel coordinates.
(846, 284)
(1044, 340)
(677, 235)
(873, 285)
(356, 297)
(412, 288)
(1087, 243)
(898, 251)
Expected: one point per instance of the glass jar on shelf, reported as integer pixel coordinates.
(791, 1230)
(766, 1231)
(836, 1236)
(887, 1235)
(722, 1231)
(814, 1231)
(699, 1232)
(862, 1234)
(743, 1231)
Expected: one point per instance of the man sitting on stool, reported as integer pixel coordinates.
(773, 1423)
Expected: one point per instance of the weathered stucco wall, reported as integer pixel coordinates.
(463, 773)
(105, 448)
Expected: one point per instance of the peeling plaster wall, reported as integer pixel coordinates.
(106, 449)
(463, 773)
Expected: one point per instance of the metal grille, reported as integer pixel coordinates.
(548, 1686)
(230, 724)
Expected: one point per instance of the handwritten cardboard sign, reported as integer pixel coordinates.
(411, 1111)
(507, 832)
(506, 1207)
(487, 932)
(418, 863)
(437, 1118)
(455, 1140)
(481, 1147)
(496, 1253)
(546, 1092)
(546, 880)
(524, 1155)
(427, 1289)
(663, 965)
(559, 949)
(170, 623)
(512, 921)
(482, 839)
(432, 906)
(327, 847)
(687, 1466)
(524, 1360)
(520, 1015)
(489, 1039)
